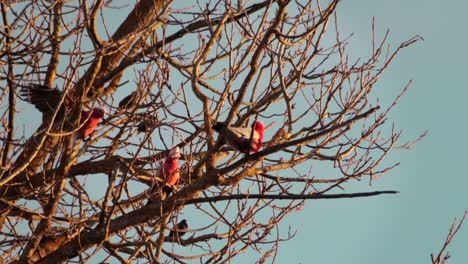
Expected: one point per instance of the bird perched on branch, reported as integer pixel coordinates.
(90, 119)
(143, 126)
(179, 230)
(46, 100)
(243, 139)
(147, 123)
(170, 173)
(129, 101)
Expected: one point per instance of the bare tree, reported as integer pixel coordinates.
(190, 65)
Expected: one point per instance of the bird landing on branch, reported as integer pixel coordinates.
(243, 139)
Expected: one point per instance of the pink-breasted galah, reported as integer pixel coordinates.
(46, 100)
(90, 121)
(170, 174)
(242, 139)
(170, 168)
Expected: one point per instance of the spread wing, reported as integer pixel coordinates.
(129, 101)
(42, 97)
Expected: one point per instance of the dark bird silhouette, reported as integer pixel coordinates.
(45, 99)
(147, 123)
(179, 230)
(129, 101)
(143, 126)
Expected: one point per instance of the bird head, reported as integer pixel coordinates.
(98, 112)
(174, 153)
(259, 127)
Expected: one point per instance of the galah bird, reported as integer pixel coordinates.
(170, 174)
(129, 101)
(171, 171)
(46, 101)
(242, 138)
(179, 230)
(91, 121)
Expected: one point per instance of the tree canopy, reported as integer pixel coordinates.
(185, 66)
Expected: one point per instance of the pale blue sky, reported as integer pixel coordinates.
(432, 177)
